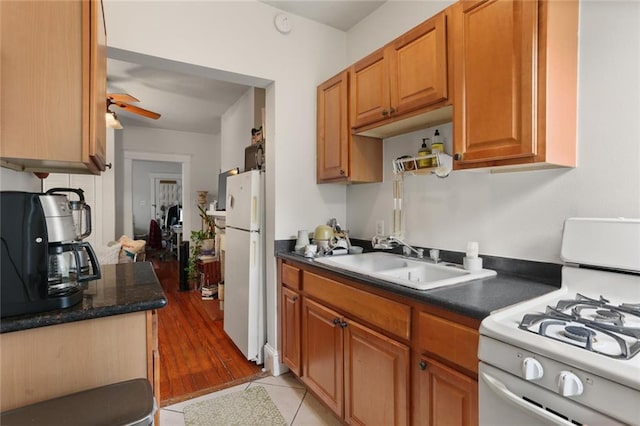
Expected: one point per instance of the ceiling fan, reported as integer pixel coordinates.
(122, 100)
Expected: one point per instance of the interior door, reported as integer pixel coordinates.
(167, 192)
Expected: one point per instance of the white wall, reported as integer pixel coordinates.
(203, 150)
(240, 37)
(520, 215)
(103, 185)
(235, 131)
(11, 180)
(142, 195)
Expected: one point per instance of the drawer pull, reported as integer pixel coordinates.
(423, 365)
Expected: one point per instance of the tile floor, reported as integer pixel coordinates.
(297, 406)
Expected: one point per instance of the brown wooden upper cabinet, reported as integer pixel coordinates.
(53, 84)
(407, 75)
(341, 156)
(515, 82)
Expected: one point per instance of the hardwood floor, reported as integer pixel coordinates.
(196, 356)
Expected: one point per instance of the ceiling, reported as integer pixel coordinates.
(342, 15)
(187, 103)
(195, 101)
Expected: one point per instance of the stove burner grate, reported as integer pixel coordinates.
(596, 316)
(555, 317)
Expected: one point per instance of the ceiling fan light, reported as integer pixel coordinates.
(112, 120)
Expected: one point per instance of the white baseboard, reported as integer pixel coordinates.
(272, 361)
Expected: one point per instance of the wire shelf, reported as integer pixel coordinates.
(410, 165)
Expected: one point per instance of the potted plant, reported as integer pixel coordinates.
(201, 240)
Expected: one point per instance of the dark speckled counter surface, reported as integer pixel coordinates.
(123, 288)
(475, 299)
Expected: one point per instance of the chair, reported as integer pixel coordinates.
(155, 235)
(174, 214)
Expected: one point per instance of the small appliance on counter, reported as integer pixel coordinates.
(81, 213)
(43, 258)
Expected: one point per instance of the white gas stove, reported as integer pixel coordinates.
(571, 356)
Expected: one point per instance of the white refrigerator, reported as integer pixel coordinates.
(244, 290)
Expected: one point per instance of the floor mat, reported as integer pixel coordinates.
(251, 406)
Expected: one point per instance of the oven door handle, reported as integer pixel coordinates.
(501, 390)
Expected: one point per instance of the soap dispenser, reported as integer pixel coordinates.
(438, 142)
(422, 153)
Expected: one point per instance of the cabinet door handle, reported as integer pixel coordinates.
(294, 298)
(423, 365)
(341, 172)
(384, 112)
(392, 110)
(343, 324)
(457, 157)
(337, 321)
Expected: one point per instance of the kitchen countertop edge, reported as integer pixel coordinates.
(476, 299)
(130, 287)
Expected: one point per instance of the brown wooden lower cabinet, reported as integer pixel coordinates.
(368, 371)
(376, 378)
(291, 323)
(360, 374)
(322, 346)
(67, 358)
(442, 396)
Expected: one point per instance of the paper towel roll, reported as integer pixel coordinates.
(472, 249)
(472, 263)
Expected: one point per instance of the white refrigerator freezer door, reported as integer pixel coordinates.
(244, 200)
(244, 292)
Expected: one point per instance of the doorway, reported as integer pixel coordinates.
(156, 186)
(166, 194)
(139, 158)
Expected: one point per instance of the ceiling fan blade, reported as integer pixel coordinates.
(137, 110)
(122, 97)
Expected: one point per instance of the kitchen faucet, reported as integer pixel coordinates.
(391, 241)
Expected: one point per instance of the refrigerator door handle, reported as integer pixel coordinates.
(254, 209)
(254, 254)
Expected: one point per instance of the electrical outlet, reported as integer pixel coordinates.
(380, 227)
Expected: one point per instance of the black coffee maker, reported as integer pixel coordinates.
(41, 262)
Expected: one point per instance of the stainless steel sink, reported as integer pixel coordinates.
(413, 273)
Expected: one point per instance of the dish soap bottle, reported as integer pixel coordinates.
(422, 153)
(438, 142)
(437, 146)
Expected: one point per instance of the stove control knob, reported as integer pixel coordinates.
(569, 384)
(532, 369)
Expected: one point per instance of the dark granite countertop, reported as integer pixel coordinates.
(123, 288)
(475, 299)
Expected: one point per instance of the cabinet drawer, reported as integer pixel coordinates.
(391, 316)
(291, 276)
(454, 342)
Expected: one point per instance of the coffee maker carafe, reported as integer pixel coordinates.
(81, 216)
(41, 266)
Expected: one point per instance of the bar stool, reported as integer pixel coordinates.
(129, 403)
